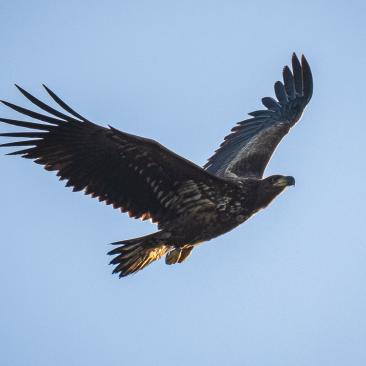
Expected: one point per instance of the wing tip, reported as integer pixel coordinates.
(47, 88)
(286, 69)
(294, 57)
(307, 78)
(23, 91)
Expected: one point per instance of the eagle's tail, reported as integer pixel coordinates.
(135, 254)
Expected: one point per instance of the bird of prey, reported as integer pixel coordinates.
(188, 203)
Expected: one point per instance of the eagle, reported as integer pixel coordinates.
(190, 204)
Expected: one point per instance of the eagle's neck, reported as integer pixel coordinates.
(264, 198)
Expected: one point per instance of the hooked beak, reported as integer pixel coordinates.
(285, 181)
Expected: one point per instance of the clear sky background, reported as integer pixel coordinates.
(287, 287)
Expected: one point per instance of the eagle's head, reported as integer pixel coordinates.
(271, 187)
(277, 182)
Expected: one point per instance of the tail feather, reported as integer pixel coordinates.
(135, 254)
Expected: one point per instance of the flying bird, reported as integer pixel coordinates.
(189, 204)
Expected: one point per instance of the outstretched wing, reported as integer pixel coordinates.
(247, 150)
(130, 172)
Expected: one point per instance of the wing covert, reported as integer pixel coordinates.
(247, 150)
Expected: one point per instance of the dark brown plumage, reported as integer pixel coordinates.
(141, 177)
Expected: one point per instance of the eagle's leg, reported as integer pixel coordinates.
(178, 255)
(135, 254)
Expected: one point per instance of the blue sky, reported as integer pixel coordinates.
(285, 288)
